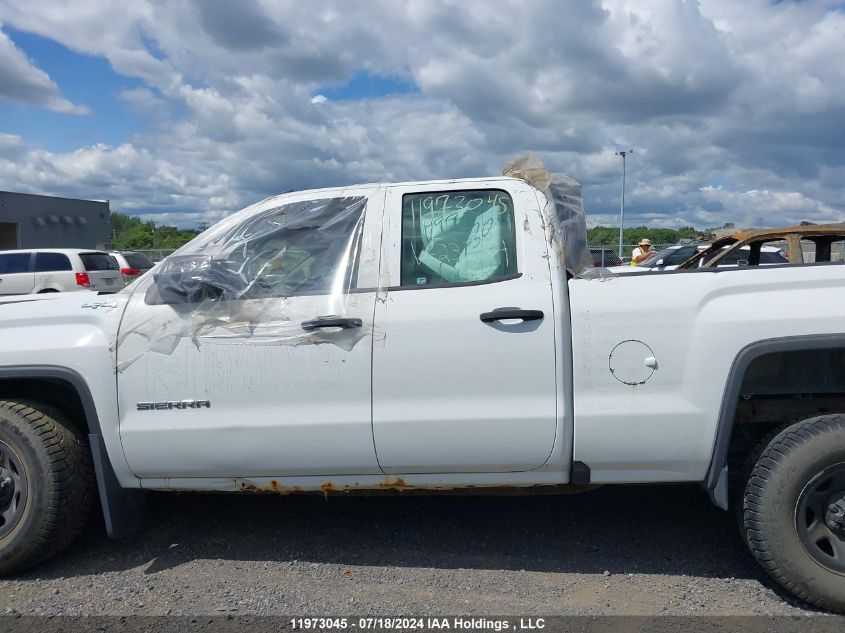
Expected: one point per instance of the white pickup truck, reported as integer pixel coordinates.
(429, 336)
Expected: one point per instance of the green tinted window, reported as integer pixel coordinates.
(457, 237)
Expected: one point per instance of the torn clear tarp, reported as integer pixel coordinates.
(563, 216)
(259, 276)
(294, 249)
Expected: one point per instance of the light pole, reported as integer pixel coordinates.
(623, 154)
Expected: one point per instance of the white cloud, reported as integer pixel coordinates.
(719, 98)
(760, 207)
(23, 82)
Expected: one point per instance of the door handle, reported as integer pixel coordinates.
(331, 321)
(500, 314)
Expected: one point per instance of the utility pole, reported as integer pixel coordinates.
(623, 154)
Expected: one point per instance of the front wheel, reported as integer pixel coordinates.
(46, 483)
(794, 510)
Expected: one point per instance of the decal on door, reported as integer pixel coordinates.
(174, 404)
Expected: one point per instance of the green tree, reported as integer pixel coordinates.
(609, 235)
(132, 233)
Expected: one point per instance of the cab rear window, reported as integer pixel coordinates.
(98, 261)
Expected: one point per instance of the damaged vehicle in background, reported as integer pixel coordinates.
(674, 257)
(440, 335)
(806, 244)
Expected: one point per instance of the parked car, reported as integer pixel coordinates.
(605, 257)
(820, 243)
(58, 270)
(132, 264)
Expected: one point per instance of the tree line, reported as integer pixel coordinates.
(609, 235)
(132, 233)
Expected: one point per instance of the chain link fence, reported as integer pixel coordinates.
(609, 255)
(155, 254)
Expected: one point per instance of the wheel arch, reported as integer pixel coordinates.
(740, 376)
(122, 507)
(25, 381)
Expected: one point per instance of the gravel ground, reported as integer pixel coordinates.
(618, 550)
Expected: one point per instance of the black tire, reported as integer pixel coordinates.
(776, 515)
(737, 493)
(56, 496)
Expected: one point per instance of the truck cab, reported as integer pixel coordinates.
(350, 336)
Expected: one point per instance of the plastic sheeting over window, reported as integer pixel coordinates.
(301, 248)
(566, 227)
(262, 277)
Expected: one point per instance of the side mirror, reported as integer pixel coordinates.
(185, 279)
(659, 262)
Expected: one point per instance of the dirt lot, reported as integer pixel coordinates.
(624, 550)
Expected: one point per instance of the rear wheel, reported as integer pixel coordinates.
(46, 484)
(794, 510)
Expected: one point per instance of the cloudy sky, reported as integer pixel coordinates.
(185, 110)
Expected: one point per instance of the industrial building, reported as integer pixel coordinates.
(32, 221)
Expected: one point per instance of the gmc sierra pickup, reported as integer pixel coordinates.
(429, 336)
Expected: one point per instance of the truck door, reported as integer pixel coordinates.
(464, 358)
(264, 367)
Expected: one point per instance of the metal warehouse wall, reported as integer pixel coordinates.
(31, 221)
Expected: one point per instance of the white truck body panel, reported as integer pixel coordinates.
(454, 394)
(276, 409)
(696, 323)
(523, 405)
(76, 331)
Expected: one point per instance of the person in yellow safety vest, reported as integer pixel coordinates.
(642, 252)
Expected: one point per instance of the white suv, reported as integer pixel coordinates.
(58, 270)
(132, 264)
